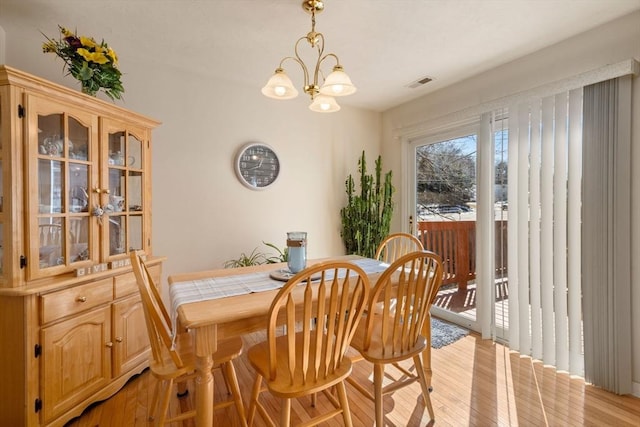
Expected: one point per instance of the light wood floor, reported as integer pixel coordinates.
(476, 383)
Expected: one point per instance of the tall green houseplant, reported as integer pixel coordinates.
(367, 217)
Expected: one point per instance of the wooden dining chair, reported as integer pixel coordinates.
(396, 245)
(320, 308)
(397, 326)
(172, 359)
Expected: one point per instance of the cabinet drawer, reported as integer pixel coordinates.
(125, 284)
(57, 305)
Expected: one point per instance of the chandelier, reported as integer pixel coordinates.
(337, 83)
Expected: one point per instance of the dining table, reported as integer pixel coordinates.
(227, 302)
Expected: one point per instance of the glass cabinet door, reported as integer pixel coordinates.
(125, 176)
(62, 154)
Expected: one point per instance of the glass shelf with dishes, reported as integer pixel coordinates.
(126, 177)
(64, 167)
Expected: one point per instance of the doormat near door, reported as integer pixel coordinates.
(445, 333)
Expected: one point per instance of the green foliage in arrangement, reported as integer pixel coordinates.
(367, 217)
(282, 256)
(257, 258)
(254, 258)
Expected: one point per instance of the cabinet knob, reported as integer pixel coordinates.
(101, 191)
(109, 344)
(81, 299)
(119, 339)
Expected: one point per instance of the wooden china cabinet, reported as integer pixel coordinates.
(75, 199)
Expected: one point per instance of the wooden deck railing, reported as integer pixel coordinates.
(455, 242)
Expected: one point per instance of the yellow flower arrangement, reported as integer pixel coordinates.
(93, 64)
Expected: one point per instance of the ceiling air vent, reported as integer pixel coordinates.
(419, 82)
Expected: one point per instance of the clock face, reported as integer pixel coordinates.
(257, 166)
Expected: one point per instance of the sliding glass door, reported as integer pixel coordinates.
(446, 202)
(443, 189)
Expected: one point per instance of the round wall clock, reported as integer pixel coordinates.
(257, 165)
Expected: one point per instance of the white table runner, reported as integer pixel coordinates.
(228, 286)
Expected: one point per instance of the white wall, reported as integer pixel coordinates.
(2, 46)
(609, 44)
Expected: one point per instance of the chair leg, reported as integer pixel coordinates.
(285, 413)
(426, 362)
(224, 377)
(423, 383)
(182, 389)
(233, 386)
(344, 403)
(152, 411)
(378, 376)
(164, 403)
(254, 399)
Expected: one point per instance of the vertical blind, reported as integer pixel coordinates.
(544, 199)
(606, 251)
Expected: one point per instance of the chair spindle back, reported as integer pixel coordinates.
(396, 245)
(400, 302)
(332, 298)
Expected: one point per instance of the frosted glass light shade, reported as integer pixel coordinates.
(337, 83)
(279, 86)
(324, 104)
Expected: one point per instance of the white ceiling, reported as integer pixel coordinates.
(384, 45)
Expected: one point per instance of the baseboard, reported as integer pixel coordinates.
(636, 389)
